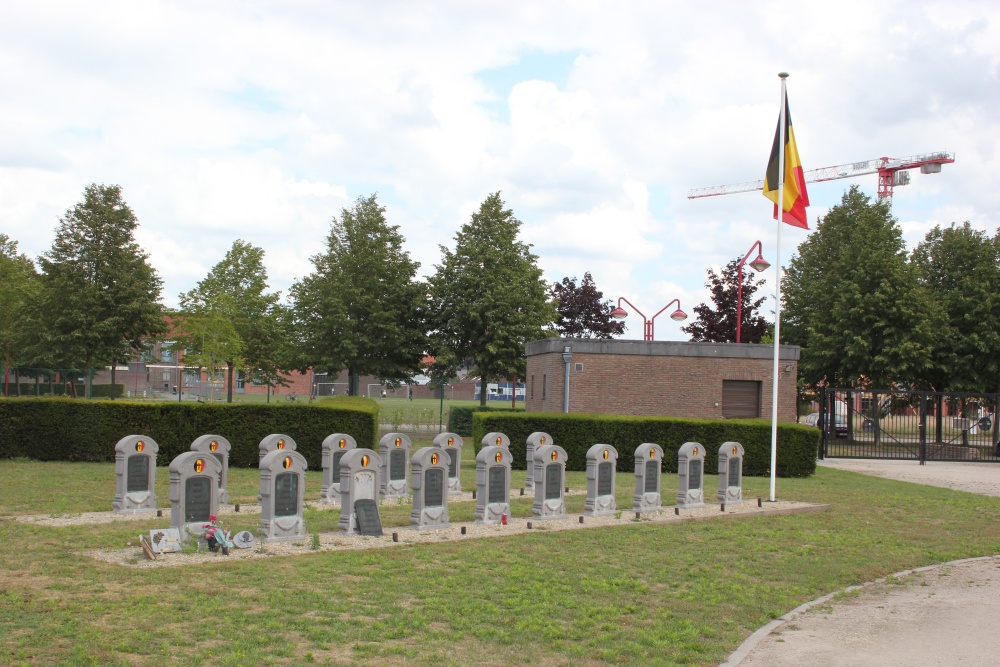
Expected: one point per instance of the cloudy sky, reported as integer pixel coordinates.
(262, 120)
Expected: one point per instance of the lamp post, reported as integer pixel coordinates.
(567, 355)
(759, 264)
(620, 313)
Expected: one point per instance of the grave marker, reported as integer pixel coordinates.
(273, 442)
(135, 472)
(452, 443)
(395, 452)
(648, 464)
(334, 448)
(194, 492)
(492, 484)
(534, 441)
(495, 439)
(601, 463)
(429, 482)
(731, 473)
(359, 480)
(550, 475)
(282, 489)
(219, 447)
(690, 475)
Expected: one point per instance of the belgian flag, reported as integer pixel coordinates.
(795, 197)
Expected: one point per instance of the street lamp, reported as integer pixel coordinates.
(759, 264)
(620, 313)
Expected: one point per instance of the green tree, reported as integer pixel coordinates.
(236, 289)
(488, 297)
(18, 285)
(361, 308)
(719, 325)
(206, 332)
(852, 301)
(99, 296)
(960, 267)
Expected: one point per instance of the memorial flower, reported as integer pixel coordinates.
(216, 536)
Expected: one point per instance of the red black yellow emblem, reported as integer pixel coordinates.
(695, 451)
(555, 455)
(542, 440)
(499, 457)
(652, 453)
(606, 454)
(499, 441)
(199, 465)
(287, 462)
(342, 443)
(213, 446)
(140, 445)
(281, 444)
(399, 441)
(364, 461)
(435, 458)
(451, 442)
(735, 451)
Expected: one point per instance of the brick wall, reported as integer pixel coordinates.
(655, 378)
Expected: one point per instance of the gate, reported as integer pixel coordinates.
(917, 425)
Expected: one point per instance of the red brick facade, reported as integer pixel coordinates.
(655, 378)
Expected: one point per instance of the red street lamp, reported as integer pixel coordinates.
(620, 313)
(759, 264)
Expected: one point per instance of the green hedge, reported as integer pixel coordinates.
(62, 429)
(797, 451)
(59, 389)
(460, 417)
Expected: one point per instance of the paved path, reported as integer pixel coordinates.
(940, 615)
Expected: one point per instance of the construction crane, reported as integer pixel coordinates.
(891, 172)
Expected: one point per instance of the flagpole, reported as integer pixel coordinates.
(777, 286)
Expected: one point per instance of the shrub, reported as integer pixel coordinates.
(460, 418)
(61, 429)
(577, 433)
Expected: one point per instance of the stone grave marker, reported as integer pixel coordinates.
(334, 448)
(359, 482)
(495, 439)
(492, 484)
(165, 540)
(194, 492)
(691, 475)
(273, 442)
(550, 477)
(282, 489)
(395, 451)
(601, 462)
(534, 441)
(648, 463)
(731, 473)
(429, 481)
(218, 447)
(452, 443)
(135, 472)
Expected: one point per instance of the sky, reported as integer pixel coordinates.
(262, 121)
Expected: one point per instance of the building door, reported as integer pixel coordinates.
(740, 399)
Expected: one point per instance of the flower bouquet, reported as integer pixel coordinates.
(216, 536)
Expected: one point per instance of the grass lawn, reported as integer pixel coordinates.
(637, 595)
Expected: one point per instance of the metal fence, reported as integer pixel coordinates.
(917, 425)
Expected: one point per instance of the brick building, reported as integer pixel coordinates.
(661, 378)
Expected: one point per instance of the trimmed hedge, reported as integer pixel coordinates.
(797, 451)
(61, 429)
(460, 417)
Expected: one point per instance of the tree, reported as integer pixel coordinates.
(361, 308)
(580, 311)
(488, 297)
(852, 301)
(18, 285)
(236, 289)
(99, 296)
(719, 325)
(960, 267)
(207, 333)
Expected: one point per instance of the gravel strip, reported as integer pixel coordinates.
(132, 556)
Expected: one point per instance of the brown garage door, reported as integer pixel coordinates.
(740, 398)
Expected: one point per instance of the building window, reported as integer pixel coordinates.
(532, 387)
(579, 367)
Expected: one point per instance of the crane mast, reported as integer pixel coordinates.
(891, 172)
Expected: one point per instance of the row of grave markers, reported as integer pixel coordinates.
(198, 480)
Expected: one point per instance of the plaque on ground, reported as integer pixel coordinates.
(648, 459)
(369, 521)
(534, 441)
(282, 489)
(601, 463)
(218, 447)
(359, 480)
(550, 476)
(394, 449)
(135, 472)
(690, 464)
(452, 444)
(194, 492)
(165, 541)
(429, 470)
(730, 473)
(492, 484)
(243, 539)
(334, 448)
